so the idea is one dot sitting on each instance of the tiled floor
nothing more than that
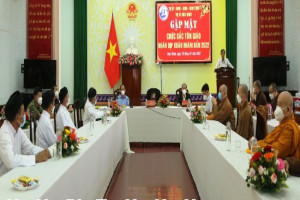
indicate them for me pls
(150, 176)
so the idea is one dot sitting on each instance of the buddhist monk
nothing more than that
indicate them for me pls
(245, 122)
(222, 112)
(273, 94)
(285, 137)
(292, 166)
(259, 99)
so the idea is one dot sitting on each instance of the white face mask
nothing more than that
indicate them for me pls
(56, 94)
(279, 113)
(123, 92)
(271, 95)
(184, 91)
(239, 99)
(205, 97)
(40, 100)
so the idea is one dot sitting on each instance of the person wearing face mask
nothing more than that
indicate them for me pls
(207, 98)
(183, 95)
(245, 122)
(122, 99)
(260, 101)
(273, 94)
(285, 138)
(16, 150)
(34, 106)
(63, 117)
(222, 112)
(45, 136)
(90, 112)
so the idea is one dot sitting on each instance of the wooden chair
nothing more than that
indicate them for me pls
(116, 93)
(78, 122)
(1, 120)
(32, 128)
(153, 94)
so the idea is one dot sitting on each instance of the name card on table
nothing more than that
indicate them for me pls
(184, 103)
(150, 103)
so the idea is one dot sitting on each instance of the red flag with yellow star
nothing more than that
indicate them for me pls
(112, 55)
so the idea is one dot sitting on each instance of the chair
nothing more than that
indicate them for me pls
(77, 113)
(116, 93)
(153, 94)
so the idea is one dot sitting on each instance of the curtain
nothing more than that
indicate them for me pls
(80, 50)
(231, 36)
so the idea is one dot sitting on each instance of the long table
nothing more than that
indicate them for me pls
(221, 174)
(154, 124)
(84, 175)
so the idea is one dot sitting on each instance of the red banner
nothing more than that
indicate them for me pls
(270, 28)
(39, 29)
(183, 32)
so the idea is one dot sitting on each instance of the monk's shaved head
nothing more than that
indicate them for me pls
(223, 89)
(286, 99)
(244, 89)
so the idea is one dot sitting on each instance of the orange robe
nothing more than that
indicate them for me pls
(284, 138)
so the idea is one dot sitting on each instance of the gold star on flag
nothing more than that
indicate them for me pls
(112, 50)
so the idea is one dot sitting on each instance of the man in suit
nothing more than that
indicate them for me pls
(183, 95)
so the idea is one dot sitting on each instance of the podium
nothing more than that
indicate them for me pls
(131, 77)
(225, 75)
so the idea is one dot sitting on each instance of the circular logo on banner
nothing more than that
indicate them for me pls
(163, 13)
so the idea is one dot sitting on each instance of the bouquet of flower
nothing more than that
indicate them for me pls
(196, 115)
(2, 112)
(115, 110)
(131, 59)
(164, 101)
(27, 120)
(69, 140)
(266, 172)
(252, 108)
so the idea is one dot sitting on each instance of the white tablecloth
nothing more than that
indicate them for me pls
(84, 175)
(221, 174)
(154, 124)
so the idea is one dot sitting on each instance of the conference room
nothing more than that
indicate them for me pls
(148, 99)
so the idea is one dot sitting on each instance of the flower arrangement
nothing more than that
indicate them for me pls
(252, 108)
(131, 59)
(69, 141)
(27, 120)
(115, 110)
(266, 172)
(164, 101)
(196, 115)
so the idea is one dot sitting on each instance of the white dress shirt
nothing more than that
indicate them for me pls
(15, 148)
(209, 105)
(45, 136)
(90, 112)
(63, 118)
(224, 63)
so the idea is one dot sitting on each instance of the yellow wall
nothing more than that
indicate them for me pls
(143, 30)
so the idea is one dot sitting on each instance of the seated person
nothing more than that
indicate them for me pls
(183, 95)
(222, 112)
(245, 122)
(45, 136)
(273, 94)
(16, 150)
(292, 166)
(122, 99)
(89, 108)
(207, 98)
(34, 106)
(56, 92)
(285, 137)
(63, 117)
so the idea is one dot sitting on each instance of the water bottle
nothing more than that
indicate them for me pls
(254, 146)
(269, 113)
(228, 137)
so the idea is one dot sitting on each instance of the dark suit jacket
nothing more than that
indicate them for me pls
(180, 98)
